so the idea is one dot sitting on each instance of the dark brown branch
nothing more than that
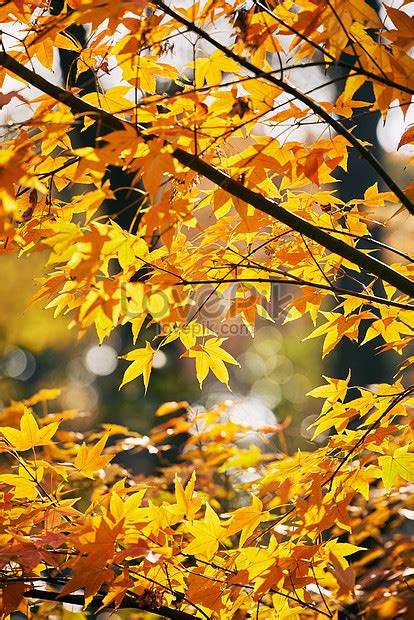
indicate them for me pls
(371, 240)
(288, 88)
(235, 188)
(76, 105)
(275, 210)
(127, 603)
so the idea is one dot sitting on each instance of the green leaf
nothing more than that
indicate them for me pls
(401, 463)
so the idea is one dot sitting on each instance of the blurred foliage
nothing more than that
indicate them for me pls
(23, 324)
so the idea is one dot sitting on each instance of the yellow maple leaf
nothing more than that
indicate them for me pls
(29, 435)
(25, 482)
(128, 509)
(212, 67)
(341, 550)
(282, 609)
(207, 534)
(113, 100)
(89, 458)
(247, 519)
(210, 356)
(141, 364)
(335, 390)
(187, 501)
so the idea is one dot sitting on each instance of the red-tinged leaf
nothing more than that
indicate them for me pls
(5, 98)
(344, 576)
(407, 137)
(88, 577)
(12, 597)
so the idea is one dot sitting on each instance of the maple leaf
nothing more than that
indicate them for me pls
(5, 98)
(344, 576)
(400, 463)
(247, 520)
(335, 390)
(55, 514)
(207, 535)
(90, 458)
(210, 356)
(89, 577)
(12, 597)
(188, 504)
(99, 541)
(207, 593)
(341, 550)
(129, 509)
(25, 482)
(141, 364)
(30, 435)
(117, 589)
(360, 480)
(407, 137)
(402, 35)
(282, 609)
(211, 68)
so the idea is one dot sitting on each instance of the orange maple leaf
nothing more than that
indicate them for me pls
(89, 458)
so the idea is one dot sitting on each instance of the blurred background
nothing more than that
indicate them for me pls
(37, 351)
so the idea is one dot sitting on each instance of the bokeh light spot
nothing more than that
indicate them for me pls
(101, 360)
(159, 359)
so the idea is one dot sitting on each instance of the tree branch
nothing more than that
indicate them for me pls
(235, 188)
(275, 210)
(313, 105)
(76, 105)
(127, 603)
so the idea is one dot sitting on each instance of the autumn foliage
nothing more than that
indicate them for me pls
(229, 201)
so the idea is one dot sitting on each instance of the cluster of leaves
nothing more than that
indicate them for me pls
(190, 236)
(255, 533)
(268, 214)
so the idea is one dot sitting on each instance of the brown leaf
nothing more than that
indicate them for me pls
(5, 98)
(407, 137)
